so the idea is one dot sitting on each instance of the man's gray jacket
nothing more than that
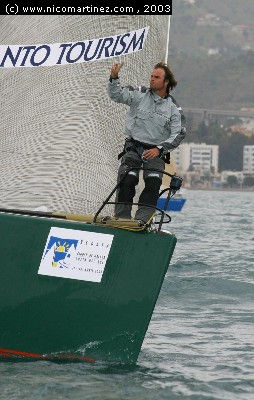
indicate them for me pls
(151, 119)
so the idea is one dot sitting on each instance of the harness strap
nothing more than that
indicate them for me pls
(132, 144)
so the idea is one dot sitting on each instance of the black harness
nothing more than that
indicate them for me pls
(139, 147)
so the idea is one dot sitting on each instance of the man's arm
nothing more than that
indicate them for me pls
(176, 134)
(183, 119)
(118, 93)
(173, 144)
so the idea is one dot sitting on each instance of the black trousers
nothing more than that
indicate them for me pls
(127, 189)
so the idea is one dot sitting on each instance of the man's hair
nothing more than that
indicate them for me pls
(168, 75)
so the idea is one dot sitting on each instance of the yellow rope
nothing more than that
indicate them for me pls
(119, 223)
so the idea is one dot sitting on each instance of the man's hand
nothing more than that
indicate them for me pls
(151, 153)
(115, 70)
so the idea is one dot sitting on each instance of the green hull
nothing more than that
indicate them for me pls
(104, 320)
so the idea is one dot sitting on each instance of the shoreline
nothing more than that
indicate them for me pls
(222, 189)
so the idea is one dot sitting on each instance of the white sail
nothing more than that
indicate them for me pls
(60, 133)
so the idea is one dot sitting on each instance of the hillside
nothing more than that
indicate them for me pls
(200, 26)
(212, 53)
(214, 82)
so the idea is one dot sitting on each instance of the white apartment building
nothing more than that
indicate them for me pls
(248, 159)
(199, 156)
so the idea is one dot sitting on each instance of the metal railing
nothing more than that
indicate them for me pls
(175, 185)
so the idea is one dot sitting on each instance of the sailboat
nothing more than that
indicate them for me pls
(74, 286)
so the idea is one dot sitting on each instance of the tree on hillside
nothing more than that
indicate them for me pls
(214, 82)
(248, 181)
(232, 180)
(231, 152)
(230, 143)
(211, 133)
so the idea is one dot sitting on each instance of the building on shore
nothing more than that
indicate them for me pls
(248, 160)
(198, 163)
(196, 157)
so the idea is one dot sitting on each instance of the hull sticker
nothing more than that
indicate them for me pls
(75, 254)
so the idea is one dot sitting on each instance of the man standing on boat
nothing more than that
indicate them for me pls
(153, 129)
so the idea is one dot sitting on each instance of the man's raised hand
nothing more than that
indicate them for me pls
(115, 70)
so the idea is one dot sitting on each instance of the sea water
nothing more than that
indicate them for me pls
(200, 342)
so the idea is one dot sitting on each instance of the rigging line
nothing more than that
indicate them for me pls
(167, 44)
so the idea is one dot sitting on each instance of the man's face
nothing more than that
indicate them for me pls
(157, 80)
